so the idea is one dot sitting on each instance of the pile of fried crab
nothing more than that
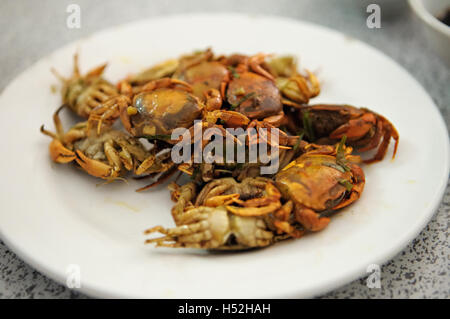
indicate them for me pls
(226, 204)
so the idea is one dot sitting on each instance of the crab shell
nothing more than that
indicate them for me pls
(265, 100)
(163, 110)
(317, 183)
(365, 130)
(205, 76)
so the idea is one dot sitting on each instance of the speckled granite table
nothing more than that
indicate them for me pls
(33, 29)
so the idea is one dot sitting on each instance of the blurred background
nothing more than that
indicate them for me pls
(33, 29)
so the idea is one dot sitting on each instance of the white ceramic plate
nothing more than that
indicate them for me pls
(54, 216)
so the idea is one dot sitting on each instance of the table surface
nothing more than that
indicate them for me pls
(33, 29)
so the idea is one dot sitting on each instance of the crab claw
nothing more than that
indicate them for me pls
(255, 65)
(357, 189)
(310, 219)
(59, 153)
(355, 128)
(93, 167)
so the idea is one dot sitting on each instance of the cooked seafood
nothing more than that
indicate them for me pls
(158, 108)
(212, 227)
(258, 89)
(320, 182)
(259, 101)
(82, 93)
(295, 88)
(231, 215)
(364, 130)
(205, 75)
(108, 155)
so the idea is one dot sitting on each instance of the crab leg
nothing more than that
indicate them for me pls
(59, 153)
(145, 165)
(93, 167)
(221, 200)
(281, 222)
(310, 219)
(161, 179)
(254, 211)
(109, 111)
(389, 131)
(96, 72)
(163, 83)
(113, 158)
(255, 65)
